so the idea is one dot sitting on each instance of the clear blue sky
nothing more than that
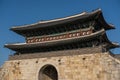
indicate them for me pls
(21, 12)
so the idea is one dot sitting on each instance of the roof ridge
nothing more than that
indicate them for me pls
(59, 19)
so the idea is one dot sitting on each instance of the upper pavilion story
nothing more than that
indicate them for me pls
(78, 31)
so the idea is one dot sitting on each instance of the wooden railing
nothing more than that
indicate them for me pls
(60, 36)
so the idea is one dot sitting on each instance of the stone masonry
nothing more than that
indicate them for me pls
(95, 66)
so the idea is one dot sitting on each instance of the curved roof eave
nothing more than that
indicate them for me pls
(51, 43)
(114, 45)
(45, 24)
(110, 44)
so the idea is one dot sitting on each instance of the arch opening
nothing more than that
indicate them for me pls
(48, 72)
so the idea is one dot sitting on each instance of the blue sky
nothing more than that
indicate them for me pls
(21, 12)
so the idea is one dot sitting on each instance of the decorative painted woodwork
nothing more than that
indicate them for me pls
(78, 31)
(69, 48)
(59, 36)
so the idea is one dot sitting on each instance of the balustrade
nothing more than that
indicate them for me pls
(65, 35)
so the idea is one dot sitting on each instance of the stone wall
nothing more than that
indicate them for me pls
(81, 51)
(95, 66)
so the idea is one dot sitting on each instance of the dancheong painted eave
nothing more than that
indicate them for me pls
(21, 46)
(94, 15)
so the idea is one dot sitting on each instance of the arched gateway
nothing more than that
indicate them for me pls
(73, 44)
(48, 72)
